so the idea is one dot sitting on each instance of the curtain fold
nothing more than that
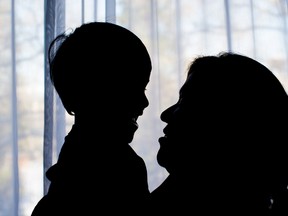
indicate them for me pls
(54, 25)
(228, 25)
(48, 91)
(33, 122)
(14, 116)
(110, 11)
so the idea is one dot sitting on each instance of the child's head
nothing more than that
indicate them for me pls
(97, 61)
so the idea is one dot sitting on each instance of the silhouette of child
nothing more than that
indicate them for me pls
(225, 143)
(100, 72)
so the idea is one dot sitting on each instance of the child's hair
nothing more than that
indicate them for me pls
(95, 52)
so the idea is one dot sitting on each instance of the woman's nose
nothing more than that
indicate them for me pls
(166, 114)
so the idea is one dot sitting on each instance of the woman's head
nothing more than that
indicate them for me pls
(231, 109)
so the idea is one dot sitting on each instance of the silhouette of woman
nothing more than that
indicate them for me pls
(225, 143)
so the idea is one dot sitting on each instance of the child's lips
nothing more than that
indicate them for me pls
(162, 140)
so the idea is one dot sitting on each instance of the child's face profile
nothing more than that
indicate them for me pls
(137, 100)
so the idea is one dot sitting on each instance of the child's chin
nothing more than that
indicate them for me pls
(131, 131)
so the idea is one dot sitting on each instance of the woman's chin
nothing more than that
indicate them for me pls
(130, 138)
(131, 135)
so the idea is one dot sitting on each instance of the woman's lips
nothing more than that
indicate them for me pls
(133, 125)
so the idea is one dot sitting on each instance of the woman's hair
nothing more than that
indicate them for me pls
(248, 108)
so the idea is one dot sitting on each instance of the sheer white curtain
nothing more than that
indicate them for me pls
(33, 122)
